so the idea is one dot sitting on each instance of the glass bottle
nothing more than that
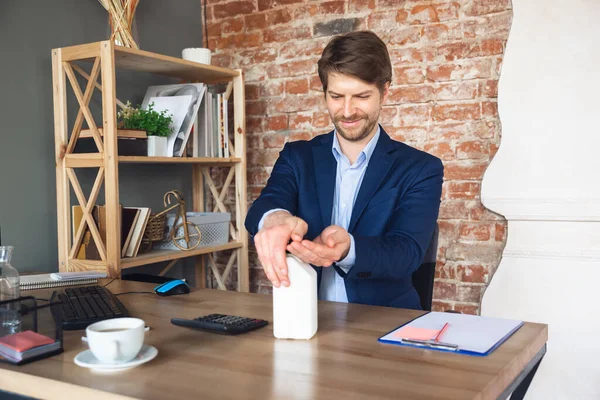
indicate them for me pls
(9, 289)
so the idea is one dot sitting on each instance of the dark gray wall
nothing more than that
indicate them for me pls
(29, 29)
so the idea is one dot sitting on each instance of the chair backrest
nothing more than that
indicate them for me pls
(423, 277)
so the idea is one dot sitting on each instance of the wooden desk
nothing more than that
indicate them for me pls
(343, 361)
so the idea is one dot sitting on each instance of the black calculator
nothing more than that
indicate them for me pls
(221, 323)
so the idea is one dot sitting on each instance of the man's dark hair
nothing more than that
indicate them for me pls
(361, 54)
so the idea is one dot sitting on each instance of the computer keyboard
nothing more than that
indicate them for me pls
(221, 323)
(84, 305)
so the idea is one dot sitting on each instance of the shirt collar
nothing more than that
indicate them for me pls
(366, 153)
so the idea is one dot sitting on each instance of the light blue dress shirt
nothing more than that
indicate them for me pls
(347, 184)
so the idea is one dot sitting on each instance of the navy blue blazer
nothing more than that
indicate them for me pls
(392, 221)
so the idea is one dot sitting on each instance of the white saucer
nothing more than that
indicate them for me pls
(86, 359)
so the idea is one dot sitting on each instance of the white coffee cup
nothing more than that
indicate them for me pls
(197, 54)
(116, 340)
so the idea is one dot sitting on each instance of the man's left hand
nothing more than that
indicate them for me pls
(330, 246)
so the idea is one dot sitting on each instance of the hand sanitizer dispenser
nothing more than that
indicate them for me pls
(295, 307)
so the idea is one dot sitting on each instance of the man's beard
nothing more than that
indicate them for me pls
(359, 135)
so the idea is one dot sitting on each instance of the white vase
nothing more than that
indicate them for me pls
(157, 146)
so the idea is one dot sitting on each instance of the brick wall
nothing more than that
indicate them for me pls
(447, 57)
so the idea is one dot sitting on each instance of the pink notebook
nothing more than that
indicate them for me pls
(24, 341)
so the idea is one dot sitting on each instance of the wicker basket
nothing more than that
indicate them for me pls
(155, 229)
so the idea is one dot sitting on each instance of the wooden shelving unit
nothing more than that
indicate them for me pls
(105, 57)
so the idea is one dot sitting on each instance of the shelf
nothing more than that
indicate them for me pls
(90, 160)
(179, 160)
(145, 61)
(155, 256)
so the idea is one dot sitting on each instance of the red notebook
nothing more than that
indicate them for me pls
(23, 341)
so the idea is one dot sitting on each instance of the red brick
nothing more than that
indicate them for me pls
(214, 29)
(470, 309)
(276, 123)
(252, 92)
(451, 131)
(332, 7)
(256, 21)
(444, 290)
(256, 107)
(297, 86)
(388, 115)
(472, 150)
(240, 40)
(490, 47)
(300, 121)
(489, 109)
(271, 89)
(414, 114)
(500, 231)
(306, 12)
(442, 150)
(482, 7)
(461, 90)
(401, 36)
(382, 20)
(274, 141)
(315, 84)
(232, 9)
(280, 16)
(234, 25)
(497, 25)
(478, 212)
(253, 142)
(486, 129)
(294, 103)
(255, 56)
(410, 94)
(282, 34)
(269, 4)
(263, 158)
(445, 271)
(411, 55)
(407, 134)
(221, 60)
(321, 120)
(472, 273)
(300, 136)
(408, 75)
(304, 48)
(257, 176)
(475, 231)
(465, 69)
(440, 306)
(387, 3)
(461, 190)
(465, 170)
(423, 14)
(489, 88)
(254, 124)
(361, 5)
(439, 32)
(457, 112)
(292, 68)
(470, 49)
(483, 252)
(470, 294)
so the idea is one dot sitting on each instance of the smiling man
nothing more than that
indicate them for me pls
(357, 205)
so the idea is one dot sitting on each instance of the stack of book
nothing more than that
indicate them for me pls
(133, 226)
(26, 345)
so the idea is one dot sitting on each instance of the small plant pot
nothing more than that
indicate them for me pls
(157, 146)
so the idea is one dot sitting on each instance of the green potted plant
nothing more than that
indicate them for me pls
(157, 126)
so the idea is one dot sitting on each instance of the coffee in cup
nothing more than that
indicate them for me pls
(117, 340)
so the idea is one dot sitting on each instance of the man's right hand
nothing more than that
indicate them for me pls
(271, 241)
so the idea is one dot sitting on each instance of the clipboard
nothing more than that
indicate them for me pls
(465, 334)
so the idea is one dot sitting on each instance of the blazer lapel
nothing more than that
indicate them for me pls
(325, 170)
(379, 165)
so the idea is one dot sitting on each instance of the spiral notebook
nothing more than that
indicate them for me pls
(58, 279)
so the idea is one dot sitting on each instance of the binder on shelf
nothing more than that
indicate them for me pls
(43, 281)
(459, 333)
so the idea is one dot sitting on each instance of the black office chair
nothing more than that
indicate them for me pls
(423, 277)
